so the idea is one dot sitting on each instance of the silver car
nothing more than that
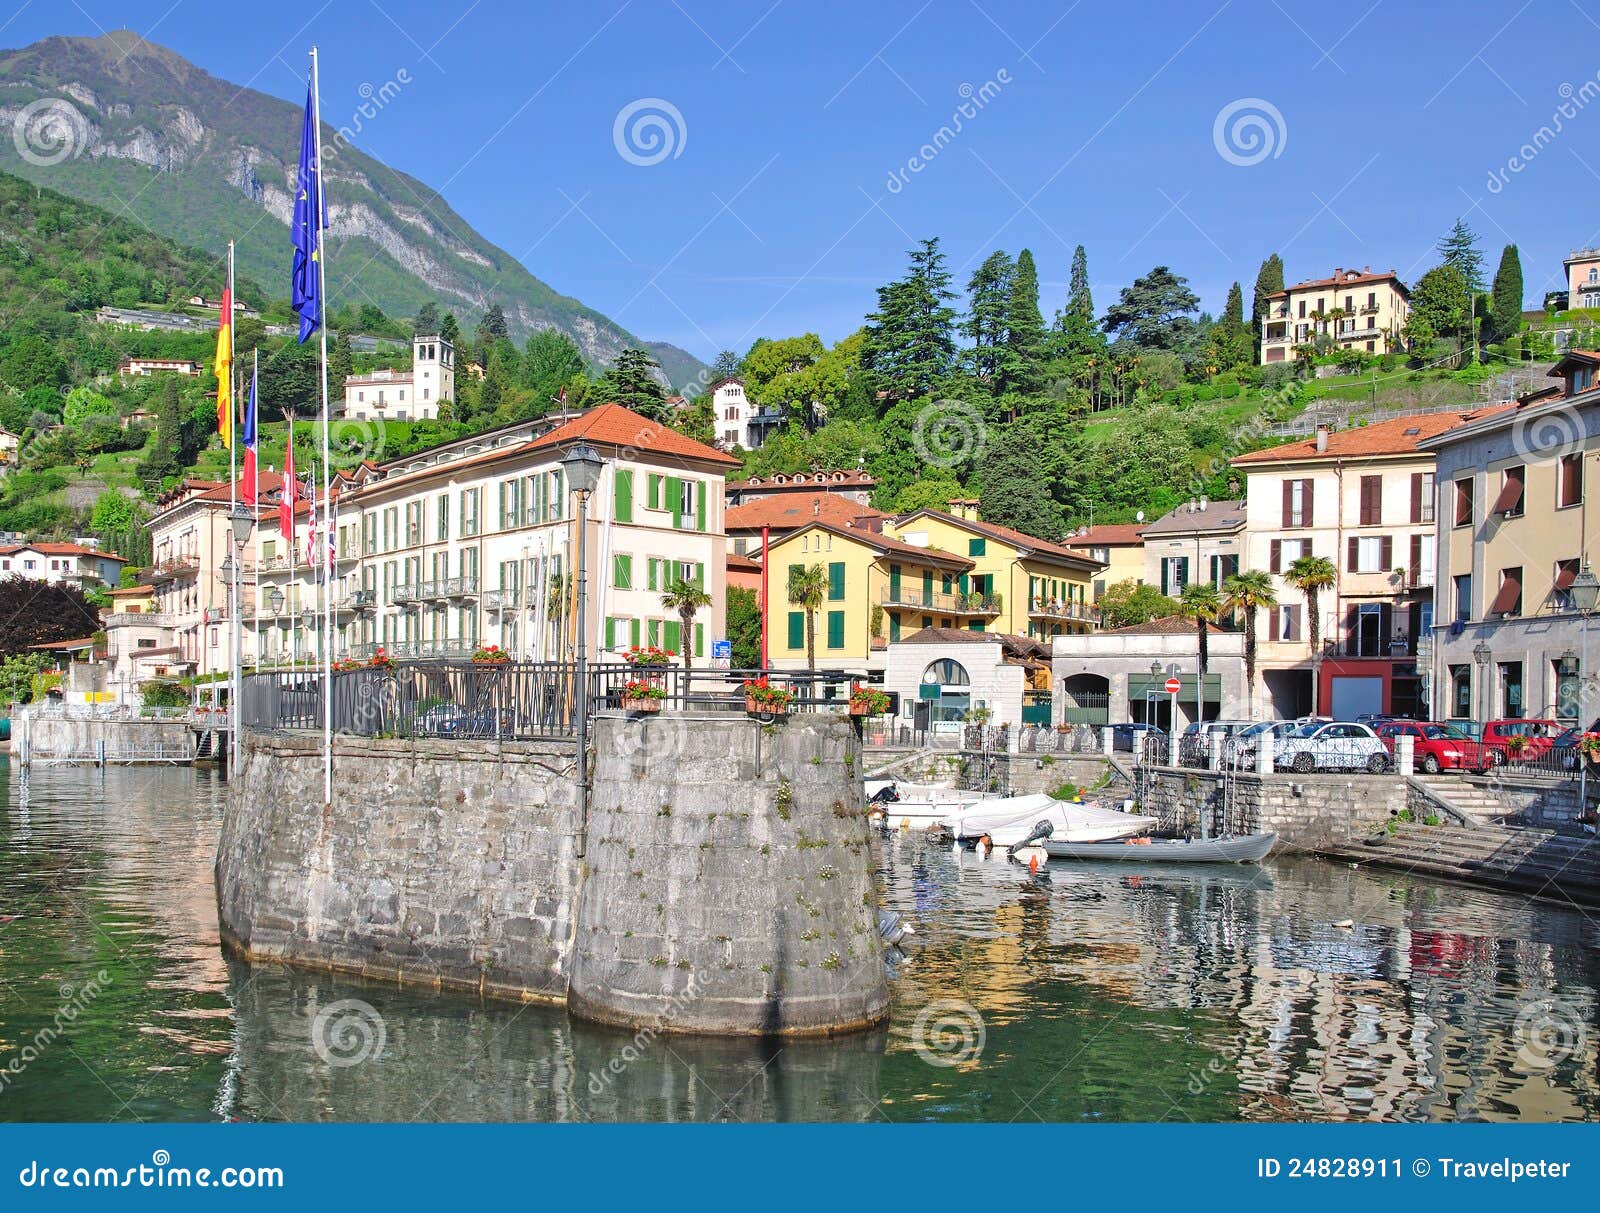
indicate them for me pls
(1339, 746)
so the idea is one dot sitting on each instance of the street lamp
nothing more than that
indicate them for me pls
(1481, 655)
(582, 466)
(241, 520)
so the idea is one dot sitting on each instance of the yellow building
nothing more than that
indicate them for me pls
(1355, 309)
(1017, 583)
(1119, 546)
(879, 589)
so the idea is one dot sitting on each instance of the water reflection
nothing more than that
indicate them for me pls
(1218, 994)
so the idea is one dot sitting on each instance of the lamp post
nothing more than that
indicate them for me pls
(1481, 655)
(582, 466)
(241, 521)
(272, 599)
(1425, 674)
(1585, 594)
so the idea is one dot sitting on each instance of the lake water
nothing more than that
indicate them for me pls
(1083, 995)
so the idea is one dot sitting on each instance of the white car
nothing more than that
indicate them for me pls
(1339, 746)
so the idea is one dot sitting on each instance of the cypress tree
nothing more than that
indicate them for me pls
(1079, 314)
(988, 297)
(1024, 327)
(1269, 281)
(1505, 307)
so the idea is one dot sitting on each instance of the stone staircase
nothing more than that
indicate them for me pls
(1562, 867)
(1472, 803)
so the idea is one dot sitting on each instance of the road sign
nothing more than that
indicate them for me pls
(722, 648)
(1173, 686)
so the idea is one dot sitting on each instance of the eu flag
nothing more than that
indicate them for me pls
(306, 289)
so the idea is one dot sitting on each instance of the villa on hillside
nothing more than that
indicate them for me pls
(401, 395)
(1355, 309)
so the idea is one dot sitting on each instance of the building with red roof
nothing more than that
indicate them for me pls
(1349, 310)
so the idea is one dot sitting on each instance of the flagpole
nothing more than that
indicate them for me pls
(255, 508)
(322, 333)
(233, 548)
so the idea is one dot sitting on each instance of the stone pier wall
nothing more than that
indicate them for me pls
(46, 736)
(724, 884)
(1308, 812)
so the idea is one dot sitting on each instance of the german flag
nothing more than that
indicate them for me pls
(224, 368)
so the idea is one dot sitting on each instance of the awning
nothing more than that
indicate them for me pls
(1510, 595)
(1566, 574)
(1510, 499)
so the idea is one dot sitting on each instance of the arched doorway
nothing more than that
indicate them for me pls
(948, 692)
(1086, 699)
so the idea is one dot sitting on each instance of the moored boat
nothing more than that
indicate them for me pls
(1009, 821)
(1229, 848)
(915, 806)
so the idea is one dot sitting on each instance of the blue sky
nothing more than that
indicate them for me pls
(774, 213)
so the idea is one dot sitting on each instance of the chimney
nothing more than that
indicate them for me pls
(816, 507)
(1204, 501)
(1322, 440)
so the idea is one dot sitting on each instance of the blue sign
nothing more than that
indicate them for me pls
(722, 649)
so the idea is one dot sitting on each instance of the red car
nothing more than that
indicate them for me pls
(1540, 739)
(1438, 747)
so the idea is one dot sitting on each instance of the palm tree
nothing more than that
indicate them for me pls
(1200, 602)
(1244, 593)
(1311, 575)
(686, 598)
(808, 590)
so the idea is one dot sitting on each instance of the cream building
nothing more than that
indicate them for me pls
(414, 395)
(1363, 499)
(739, 421)
(70, 563)
(1514, 536)
(1355, 309)
(1201, 540)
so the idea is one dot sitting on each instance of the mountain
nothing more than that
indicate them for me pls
(139, 130)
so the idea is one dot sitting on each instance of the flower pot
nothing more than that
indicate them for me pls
(756, 708)
(641, 705)
(860, 709)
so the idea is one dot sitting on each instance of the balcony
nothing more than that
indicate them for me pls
(138, 619)
(502, 599)
(407, 595)
(1369, 309)
(973, 605)
(359, 600)
(1055, 608)
(1370, 331)
(448, 587)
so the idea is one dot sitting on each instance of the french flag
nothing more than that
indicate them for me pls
(250, 490)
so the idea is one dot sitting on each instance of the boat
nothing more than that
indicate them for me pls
(1012, 820)
(914, 805)
(1228, 848)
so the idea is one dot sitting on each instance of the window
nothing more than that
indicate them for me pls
(1509, 600)
(1509, 502)
(836, 629)
(1174, 575)
(624, 495)
(1284, 623)
(1566, 684)
(413, 523)
(1369, 554)
(1511, 688)
(1284, 552)
(1372, 501)
(1369, 630)
(1463, 596)
(622, 572)
(1297, 502)
(1566, 574)
(1222, 568)
(1569, 480)
(1464, 502)
(1421, 497)
(469, 512)
(836, 580)
(652, 483)
(976, 547)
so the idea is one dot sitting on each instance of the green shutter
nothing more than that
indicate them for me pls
(699, 640)
(975, 547)
(653, 573)
(622, 572)
(700, 575)
(836, 629)
(797, 629)
(894, 626)
(673, 639)
(836, 580)
(624, 495)
(633, 632)
(674, 496)
(927, 586)
(964, 583)
(652, 485)
(652, 632)
(700, 505)
(611, 632)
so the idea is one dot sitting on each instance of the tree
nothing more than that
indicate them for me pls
(744, 627)
(1013, 488)
(1200, 602)
(31, 361)
(1080, 303)
(1505, 300)
(1459, 249)
(726, 366)
(631, 382)
(1024, 328)
(1128, 603)
(1244, 594)
(988, 296)
(1269, 281)
(341, 363)
(1311, 575)
(162, 460)
(35, 612)
(550, 361)
(83, 403)
(1441, 307)
(910, 340)
(687, 599)
(427, 322)
(491, 328)
(929, 493)
(808, 590)
(1155, 312)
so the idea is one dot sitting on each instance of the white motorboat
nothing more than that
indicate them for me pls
(915, 806)
(1008, 821)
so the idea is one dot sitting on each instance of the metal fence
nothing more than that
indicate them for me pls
(1561, 762)
(506, 701)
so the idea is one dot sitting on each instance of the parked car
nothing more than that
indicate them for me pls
(1194, 743)
(1340, 746)
(1242, 747)
(1122, 734)
(1437, 747)
(1540, 734)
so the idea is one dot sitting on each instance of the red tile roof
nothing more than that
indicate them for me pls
(1397, 436)
(61, 549)
(1166, 625)
(790, 511)
(889, 547)
(1005, 534)
(613, 425)
(1342, 278)
(742, 564)
(1110, 534)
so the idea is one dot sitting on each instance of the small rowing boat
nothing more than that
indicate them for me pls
(1229, 848)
